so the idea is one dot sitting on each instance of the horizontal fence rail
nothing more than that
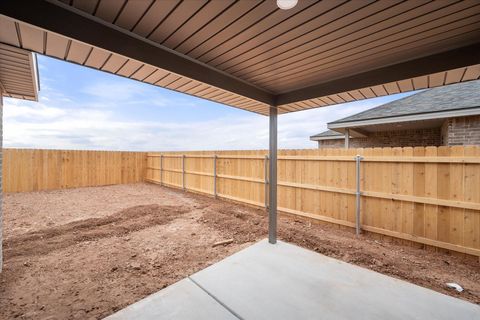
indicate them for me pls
(428, 195)
(27, 170)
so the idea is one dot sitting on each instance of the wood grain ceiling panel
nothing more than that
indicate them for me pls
(189, 86)
(322, 55)
(385, 54)
(154, 16)
(228, 17)
(8, 32)
(454, 76)
(272, 24)
(180, 83)
(405, 85)
(56, 46)
(78, 52)
(145, 71)
(332, 26)
(306, 21)
(31, 38)
(420, 82)
(169, 79)
(472, 73)
(180, 15)
(87, 6)
(206, 14)
(156, 76)
(368, 40)
(114, 63)
(378, 90)
(132, 13)
(97, 58)
(244, 22)
(436, 79)
(129, 68)
(108, 10)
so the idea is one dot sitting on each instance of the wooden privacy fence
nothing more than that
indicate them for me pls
(429, 195)
(34, 169)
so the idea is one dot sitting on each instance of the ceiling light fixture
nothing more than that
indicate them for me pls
(286, 4)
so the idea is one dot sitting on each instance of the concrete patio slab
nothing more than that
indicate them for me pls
(283, 281)
(182, 300)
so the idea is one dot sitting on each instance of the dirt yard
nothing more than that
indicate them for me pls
(86, 253)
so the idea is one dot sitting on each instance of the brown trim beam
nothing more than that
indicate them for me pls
(67, 23)
(453, 59)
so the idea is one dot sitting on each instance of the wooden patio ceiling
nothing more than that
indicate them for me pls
(250, 54)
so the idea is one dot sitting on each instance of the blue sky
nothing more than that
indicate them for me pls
(82, 108)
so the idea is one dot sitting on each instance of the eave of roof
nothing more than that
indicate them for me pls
(408, 118)
(18, 73)
(327, 135)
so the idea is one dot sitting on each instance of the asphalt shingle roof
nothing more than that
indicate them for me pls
(328, 133)
(446, 98)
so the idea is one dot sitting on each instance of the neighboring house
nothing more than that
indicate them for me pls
(448, 115)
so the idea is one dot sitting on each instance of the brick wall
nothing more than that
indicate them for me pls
(400, 138)
(461, 131)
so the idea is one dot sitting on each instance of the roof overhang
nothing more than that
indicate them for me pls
(421, 117)
(18, 73)
(339, 137)
(250, 54)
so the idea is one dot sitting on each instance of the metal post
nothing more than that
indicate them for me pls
(272, 209)
(347, 138)
(183, 172)
(161, 169)
(265, 174)
(215, 175)
(358, 194)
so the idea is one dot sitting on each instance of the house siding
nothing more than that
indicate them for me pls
(461, 131)
(400, 138)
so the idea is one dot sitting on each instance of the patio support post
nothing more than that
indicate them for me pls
(358, 194)
(272, 208)
(347, 138)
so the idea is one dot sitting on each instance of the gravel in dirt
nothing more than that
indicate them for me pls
(86, 253)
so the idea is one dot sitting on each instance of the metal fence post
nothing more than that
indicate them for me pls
(215, 176)
(161, 169)
(266, 180)
(183, 172)
(358, 194)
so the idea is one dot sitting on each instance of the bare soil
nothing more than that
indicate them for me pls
(86, 253)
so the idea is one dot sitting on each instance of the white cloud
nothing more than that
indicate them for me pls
(58, 122)
(115, 90)
(37, 125)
